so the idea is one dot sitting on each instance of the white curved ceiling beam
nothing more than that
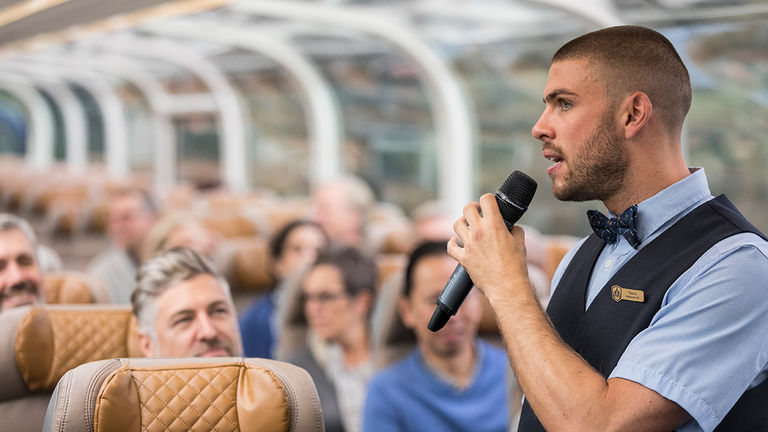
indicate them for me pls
(73, 114)
(453, 117)
(324, 121)
(600, 12)
(108, 101)
(159, 101)
(39, 119)
(231, 117)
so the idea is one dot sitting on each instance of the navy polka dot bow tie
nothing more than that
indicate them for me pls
(609, 229)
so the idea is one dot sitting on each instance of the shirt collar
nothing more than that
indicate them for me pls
(657, 210)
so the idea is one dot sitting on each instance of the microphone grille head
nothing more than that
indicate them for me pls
(519, 189)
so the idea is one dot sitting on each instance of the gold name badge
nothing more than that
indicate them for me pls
(618, 293)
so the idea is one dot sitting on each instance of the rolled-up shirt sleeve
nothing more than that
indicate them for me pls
(709, 341)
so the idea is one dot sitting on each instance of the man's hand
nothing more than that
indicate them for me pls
(493, 257)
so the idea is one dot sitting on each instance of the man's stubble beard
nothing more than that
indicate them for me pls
(598, 172)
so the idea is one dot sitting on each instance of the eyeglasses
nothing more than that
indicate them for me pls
(323, 297)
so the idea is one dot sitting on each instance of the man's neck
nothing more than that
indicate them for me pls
(648, 175)
(459, 368)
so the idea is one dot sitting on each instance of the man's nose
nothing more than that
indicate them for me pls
(206, 329)
(12, 274)
(542, 129)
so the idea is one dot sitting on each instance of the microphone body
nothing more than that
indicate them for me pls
(513, 198)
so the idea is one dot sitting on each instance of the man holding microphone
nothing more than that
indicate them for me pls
(659, 320)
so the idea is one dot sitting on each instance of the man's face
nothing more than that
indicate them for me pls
(429, 277)
(193, 236)
(334, 213)
(129, 221)
(329, 310)
(19, 273)
(301, 247)
(195, 318)
(579, 129)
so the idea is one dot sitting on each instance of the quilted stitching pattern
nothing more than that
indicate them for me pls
(188, 400)
(83, 337)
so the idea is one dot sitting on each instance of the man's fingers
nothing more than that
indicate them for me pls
(490, 208)
(472, 213)
(461, 228)
(454, 249)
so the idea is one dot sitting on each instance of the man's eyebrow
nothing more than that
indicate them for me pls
(555, 93)
(182, 312)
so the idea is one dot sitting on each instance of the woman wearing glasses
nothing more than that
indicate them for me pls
(338, 292)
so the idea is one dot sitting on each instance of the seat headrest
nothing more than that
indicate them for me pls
(68, 287)
(46, 341)
(227, 394)
(245, 262)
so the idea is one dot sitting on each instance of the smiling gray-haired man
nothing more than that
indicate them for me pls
(20, 273)
(184, 308)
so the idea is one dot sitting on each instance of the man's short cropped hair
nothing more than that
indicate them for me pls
(162, 272)
(634, 58)
(423, 250)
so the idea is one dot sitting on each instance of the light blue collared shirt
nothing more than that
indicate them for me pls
(709, 341)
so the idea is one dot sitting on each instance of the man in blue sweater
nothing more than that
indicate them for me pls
(452, 380)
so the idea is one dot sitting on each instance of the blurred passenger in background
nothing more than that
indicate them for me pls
(432, 221)
(131, 215)
(339, 292)
(20, 274)
(180, 230)
(452, 380)
(292, 248)
(184, 308)
(341, 208)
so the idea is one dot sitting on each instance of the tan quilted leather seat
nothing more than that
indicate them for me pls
(41, 343)
(73, 288)
(245, 262)
(222, 394)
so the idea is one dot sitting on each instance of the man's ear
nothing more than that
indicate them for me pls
(404, 307)
(637, 113)
(145, 345)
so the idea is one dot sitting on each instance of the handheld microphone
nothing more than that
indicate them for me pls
(513, 198)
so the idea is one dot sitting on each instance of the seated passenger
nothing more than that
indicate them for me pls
(131, 215)
(179, 229)
(184, 308)
(341, 207)
(338, 294)
(452, 380)
(293, 247)
(20, 273)
(432, 222)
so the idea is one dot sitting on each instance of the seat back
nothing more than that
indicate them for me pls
(68, 287)
(245, 262)
(293, 329)
(192, 394)
(41, 343)
(391, 340)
